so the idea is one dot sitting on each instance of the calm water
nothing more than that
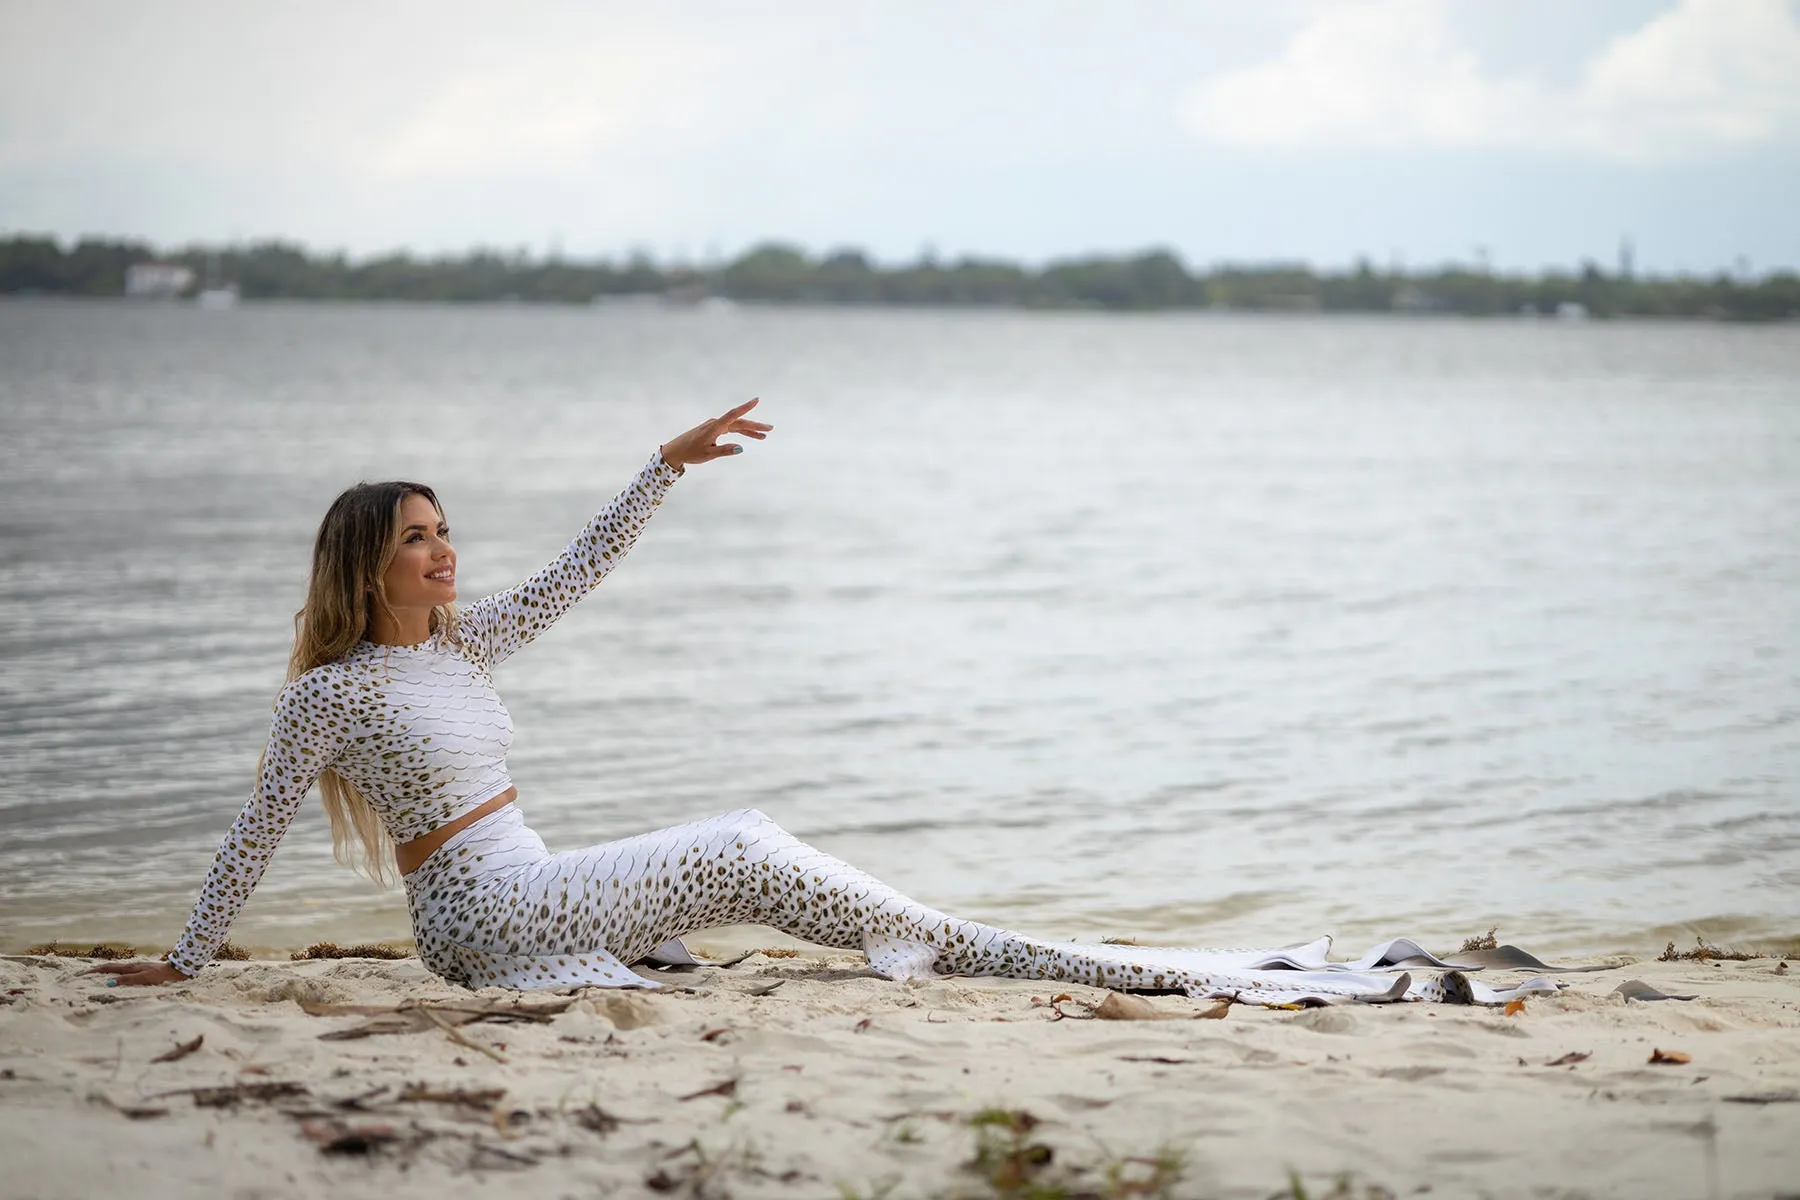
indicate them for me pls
(1217, 629)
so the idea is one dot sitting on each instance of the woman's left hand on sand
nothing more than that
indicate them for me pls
(137, 973)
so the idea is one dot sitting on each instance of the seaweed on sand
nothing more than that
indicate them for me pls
(333, 950)
(1703, 952)
(105, 950)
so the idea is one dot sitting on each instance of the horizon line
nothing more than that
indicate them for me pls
(525, 254)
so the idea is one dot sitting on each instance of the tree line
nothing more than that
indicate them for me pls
(776, 273)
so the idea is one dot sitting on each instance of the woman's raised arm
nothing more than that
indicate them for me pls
(500, 624)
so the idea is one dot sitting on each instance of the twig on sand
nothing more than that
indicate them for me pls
(456, 1036)
(726, 1088)
(232, 1094)
(181, 1051)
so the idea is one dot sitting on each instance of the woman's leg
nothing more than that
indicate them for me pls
(577, 916)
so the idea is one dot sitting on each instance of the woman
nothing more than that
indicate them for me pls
(390, 707)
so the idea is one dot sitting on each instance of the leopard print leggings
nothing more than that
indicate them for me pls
(493, 906)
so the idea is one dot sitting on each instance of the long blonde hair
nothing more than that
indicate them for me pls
(356, 544)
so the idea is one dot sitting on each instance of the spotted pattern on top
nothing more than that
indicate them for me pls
(494, 907)
(419, 730)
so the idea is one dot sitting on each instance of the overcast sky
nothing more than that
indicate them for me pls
(1537, 132)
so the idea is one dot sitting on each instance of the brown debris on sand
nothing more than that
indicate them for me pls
(181, 1051)
(333, 950)
(110, 951)
(1703, 953)
(1117, 1006)
(1484, 942)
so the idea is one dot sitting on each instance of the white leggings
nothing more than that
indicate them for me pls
(493, 906)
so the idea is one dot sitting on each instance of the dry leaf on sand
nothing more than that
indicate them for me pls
(181, 1051)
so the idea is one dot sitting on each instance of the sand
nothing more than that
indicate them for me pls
(833, 1083)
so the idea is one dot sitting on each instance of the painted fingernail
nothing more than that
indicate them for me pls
(112, 982)
(736, 449)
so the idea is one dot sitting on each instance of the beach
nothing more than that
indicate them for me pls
(1401, 627)
(796, 1072)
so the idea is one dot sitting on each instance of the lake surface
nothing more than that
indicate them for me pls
(1212, 629)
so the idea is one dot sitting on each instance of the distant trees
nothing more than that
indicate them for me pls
(780, 273)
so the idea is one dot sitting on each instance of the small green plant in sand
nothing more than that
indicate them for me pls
(1344, 1188)
(1154, 1176)
(906, 1133)
(1006, 1157)
(699, 1173)
(1014, 1166)
(333, 950)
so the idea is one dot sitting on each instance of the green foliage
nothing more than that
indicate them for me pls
(1345, 1188)
(778, 273)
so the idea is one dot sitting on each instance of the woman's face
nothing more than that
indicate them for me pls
(423, 573)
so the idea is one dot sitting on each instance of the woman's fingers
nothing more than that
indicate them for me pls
(701, 443)
(735, 413)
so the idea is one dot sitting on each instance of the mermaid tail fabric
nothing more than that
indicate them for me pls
(493, 906)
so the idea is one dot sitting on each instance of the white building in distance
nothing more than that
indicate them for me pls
(157, 281)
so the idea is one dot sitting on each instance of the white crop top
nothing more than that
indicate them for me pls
(418, 730)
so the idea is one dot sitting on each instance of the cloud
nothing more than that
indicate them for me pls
(556, 109)
(1702, 78)
(396, 91)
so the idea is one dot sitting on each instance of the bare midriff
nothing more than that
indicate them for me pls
(409, 856)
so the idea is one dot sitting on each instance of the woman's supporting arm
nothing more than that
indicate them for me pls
(310, 727)
(498, 625)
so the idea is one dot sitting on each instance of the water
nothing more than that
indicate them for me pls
(1213, 629)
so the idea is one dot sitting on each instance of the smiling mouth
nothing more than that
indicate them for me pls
(445, 576)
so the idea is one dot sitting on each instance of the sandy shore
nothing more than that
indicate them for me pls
(806, 1076)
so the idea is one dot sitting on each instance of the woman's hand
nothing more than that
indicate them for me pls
(138, 973)
(701, 443)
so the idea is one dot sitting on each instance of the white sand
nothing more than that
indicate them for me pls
(847, 1084)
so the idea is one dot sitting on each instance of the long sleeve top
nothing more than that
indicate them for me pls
(418, 730)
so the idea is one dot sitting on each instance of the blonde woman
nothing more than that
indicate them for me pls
(390, 707)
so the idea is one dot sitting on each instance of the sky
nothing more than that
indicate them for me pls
(1522, 133)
